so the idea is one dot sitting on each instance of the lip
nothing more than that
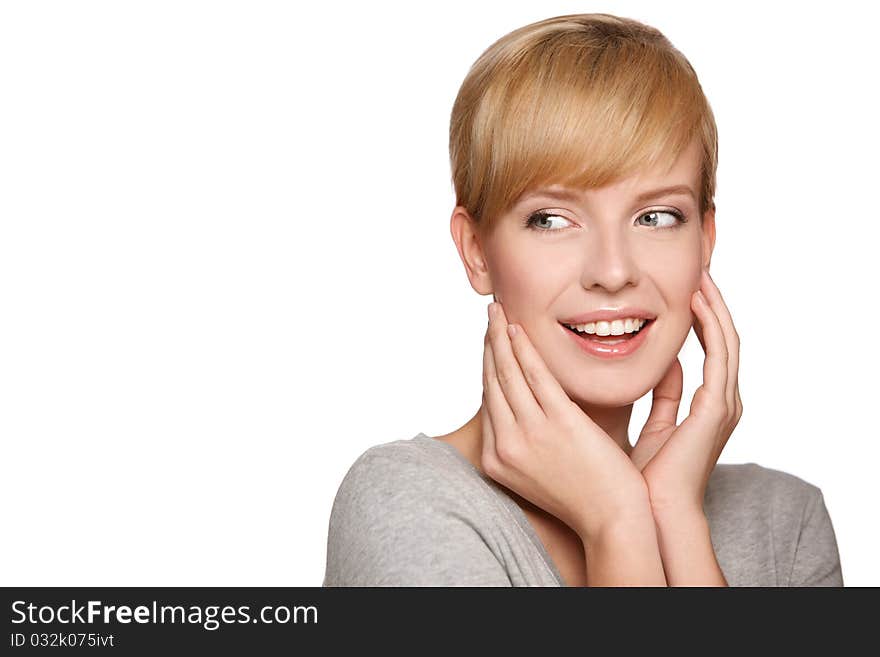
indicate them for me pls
(610, 314)
(612, 351)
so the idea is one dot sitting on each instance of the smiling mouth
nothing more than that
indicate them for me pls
(610, 339)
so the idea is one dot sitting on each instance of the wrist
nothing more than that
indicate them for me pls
(625, 552)
(681, 513)
(685, 542)
(677, 524)
(672, 504)
(632, 518)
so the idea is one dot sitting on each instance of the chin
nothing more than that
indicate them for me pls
(622, 383)
(608, 394)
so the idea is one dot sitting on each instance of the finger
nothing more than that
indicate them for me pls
(715, 363)
(699, 333)
(716, 302)
(508, 373)
(666, 399)
(490, 461)
(662, 418)
(488, 449)
(496, 404)
(550, 395)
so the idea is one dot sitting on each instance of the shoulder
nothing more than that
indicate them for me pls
(398, 475)
(767, 523)
(754, 484)
(402, 517)
(747, 497)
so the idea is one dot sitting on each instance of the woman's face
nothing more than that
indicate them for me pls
(597, 249)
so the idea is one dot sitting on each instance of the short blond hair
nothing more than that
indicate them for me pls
(579, 100)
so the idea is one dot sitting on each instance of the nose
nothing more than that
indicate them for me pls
(610, 263)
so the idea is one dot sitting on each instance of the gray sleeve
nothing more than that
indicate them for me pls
(394, 523)
(816, 560)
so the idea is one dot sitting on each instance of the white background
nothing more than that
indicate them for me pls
(226, 267)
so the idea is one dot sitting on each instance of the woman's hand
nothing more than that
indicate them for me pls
(676, 462)
(541, 445)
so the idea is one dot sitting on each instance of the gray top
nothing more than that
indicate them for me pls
(416, 512)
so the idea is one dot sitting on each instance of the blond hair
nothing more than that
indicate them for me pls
(579, 100)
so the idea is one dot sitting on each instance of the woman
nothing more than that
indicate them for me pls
(583, 156)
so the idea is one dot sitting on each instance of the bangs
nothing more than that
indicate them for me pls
(577, 109)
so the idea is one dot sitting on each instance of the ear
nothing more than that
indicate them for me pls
(468, 237)
(708, 236)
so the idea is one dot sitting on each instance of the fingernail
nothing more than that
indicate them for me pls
(700, 297)
(511, 330)
(489, 309)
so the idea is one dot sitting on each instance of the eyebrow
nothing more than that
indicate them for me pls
(571, 195)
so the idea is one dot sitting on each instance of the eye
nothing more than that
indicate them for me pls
(536, 220)
(532, 221)
(654, 215)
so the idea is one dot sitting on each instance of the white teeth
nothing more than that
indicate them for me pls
(616, 327)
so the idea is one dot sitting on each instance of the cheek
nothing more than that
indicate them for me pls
(678, 284)
(522, 282)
